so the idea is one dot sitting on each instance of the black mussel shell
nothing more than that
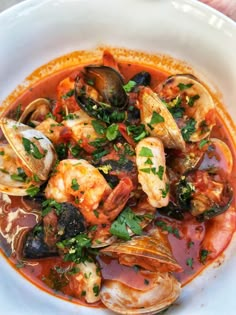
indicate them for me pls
(172, 210)
(109, 83)
(35, 247)
(142, 78)
(71, 222)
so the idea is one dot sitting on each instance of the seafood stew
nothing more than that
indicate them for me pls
(116, 182)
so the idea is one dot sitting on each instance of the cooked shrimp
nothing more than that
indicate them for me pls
(79, 182)
(150, 160)
(219, 231)
(87, 282)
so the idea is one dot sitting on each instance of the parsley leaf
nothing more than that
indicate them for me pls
(145, 152)
(74, 184)
(192, 99)
(49, 205)
(127, 218)
(68, 94)
(183, 86)
(112, 132)
(156, 118)
(188, 129)
(32, 149)
(203, 255)
(32, 190)
(99, 127)
(129, 86)
(202, 143)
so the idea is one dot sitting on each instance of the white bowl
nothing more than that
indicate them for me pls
(35, 32)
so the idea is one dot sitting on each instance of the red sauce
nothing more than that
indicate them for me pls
(185, 247)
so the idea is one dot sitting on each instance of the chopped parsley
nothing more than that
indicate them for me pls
(127, 218)
(203, 255)
(96, 290)
(32, 190)
(20, 176)
(191, 100)
(188, 129)
(164, 192)
(137, 132)
(189, 262)
(112, 132)
(183, 86)
(74, 184)
(99, 127)
(202, 143)
(168, 228)
(32, 149)
(129, 86)
(49, 205)
(77, 248)
(145, 152)
(156, 118)
(2, 152)
(68, 94)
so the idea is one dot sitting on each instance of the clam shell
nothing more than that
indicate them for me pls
(122, 299)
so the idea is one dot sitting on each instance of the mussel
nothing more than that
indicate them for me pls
(203, 195)
(99, 91)
(42, 240)
(26, 160)
(190, 104)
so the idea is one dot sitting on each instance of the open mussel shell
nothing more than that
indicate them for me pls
(198, 104)
(35, 112)
(123, 299)
(109, 83)
(150, 252)
(99, 91)
(33, 149)
(166, 129)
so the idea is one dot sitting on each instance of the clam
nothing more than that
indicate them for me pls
(29, 152)
(159, 121)
(217, 155)
(123, 299)
(35, 112)
(99, 91)
(150, 252)
(191, 105)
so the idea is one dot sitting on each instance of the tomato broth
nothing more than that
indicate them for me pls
(18, 215)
